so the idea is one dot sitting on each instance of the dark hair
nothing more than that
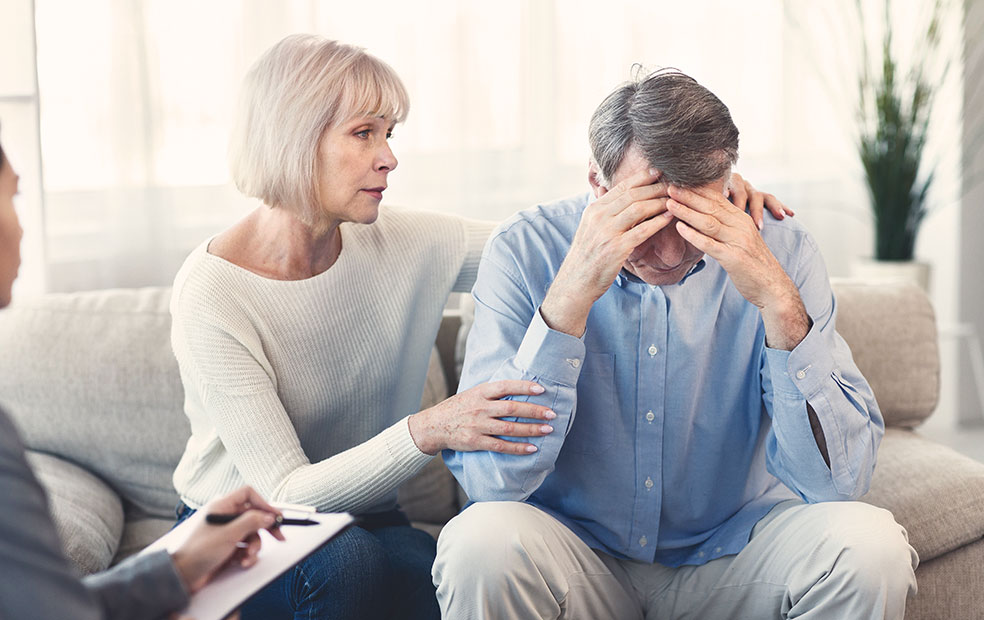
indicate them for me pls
(680, 127)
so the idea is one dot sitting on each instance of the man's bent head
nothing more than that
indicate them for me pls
(669, 122)
(679, 127)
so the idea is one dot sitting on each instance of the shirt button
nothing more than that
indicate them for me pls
(653, 350)
(574, 362)
(643, 541)
(801, 374)
(717, 549)
(650, 416)
(649, 483)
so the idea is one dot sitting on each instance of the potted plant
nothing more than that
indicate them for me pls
(895, 107)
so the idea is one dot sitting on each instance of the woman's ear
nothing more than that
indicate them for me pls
(595, 178)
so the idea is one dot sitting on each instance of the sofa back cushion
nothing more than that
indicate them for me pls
(891, 329)
(91, 378)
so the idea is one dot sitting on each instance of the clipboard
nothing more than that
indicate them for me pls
(230, 588)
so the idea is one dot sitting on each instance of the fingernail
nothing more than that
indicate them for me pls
(546, 429)
(531, 448)
(549, 414)
(269, 519)
(653, 172)
(761, 225)
(537, 389)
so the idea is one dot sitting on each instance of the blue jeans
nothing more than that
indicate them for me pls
(378, 568)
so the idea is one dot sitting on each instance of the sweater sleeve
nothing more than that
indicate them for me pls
(248, 421)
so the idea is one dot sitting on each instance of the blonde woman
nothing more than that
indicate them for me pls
(303, 334)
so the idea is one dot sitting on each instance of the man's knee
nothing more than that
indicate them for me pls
(484, 539)
(870, 548)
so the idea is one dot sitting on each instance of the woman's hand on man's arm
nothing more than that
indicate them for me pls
(472, 420)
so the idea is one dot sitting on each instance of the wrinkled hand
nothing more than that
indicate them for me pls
(610, 228)
(211, 547)
(471, 421)
(747, 198)
(727, 234)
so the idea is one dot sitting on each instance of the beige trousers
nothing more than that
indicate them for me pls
(829, 561)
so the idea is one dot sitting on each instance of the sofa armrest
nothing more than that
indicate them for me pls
(935, 493)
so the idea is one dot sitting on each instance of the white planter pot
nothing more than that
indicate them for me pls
(879, 271)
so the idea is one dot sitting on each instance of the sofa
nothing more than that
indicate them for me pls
(90, 381)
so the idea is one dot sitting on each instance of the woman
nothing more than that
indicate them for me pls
(303, 333)
(37, 579)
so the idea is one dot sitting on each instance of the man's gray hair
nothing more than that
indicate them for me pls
(680, 127)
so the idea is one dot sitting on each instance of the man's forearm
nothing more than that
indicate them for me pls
(786, 322)
(564, 311)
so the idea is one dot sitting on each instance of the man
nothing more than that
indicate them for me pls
(711, 430)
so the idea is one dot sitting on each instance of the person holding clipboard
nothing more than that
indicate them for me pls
(38, 581)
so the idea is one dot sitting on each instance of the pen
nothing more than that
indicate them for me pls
(221, 519)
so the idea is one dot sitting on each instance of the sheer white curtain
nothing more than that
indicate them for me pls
(135, 98)
(19, 132)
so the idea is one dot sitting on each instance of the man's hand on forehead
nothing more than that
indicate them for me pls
(610, 229)
(727, 234)
(635, 193)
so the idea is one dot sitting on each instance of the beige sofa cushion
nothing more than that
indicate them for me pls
(950, 586)
(891, 330)
(936, 493)
(88, 516)
(91, 377)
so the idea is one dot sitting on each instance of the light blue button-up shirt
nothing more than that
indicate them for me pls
(677, 429)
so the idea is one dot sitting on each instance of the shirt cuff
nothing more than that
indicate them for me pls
(804, 369)
(550, 354)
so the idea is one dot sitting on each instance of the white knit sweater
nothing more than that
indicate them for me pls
(302, 388)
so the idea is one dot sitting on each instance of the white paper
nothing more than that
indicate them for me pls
(231, 587)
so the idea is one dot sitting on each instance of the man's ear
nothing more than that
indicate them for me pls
(594, 178)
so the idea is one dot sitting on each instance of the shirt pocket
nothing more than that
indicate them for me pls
(591, 429)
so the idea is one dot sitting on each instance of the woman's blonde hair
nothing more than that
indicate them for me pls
(299, 88)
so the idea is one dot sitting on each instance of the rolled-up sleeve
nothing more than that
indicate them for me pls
(820, 372)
